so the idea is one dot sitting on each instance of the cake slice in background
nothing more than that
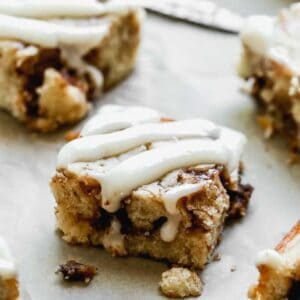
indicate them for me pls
(55, 57)
(279, 270)
(271, 62)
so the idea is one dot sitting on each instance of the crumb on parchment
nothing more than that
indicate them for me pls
(180, 282)
(75, 271)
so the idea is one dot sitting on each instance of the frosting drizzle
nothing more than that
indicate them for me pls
(287, 259)
(151, 165)
(59, 8)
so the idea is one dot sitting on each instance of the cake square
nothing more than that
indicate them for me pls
(271, 62)
(139, 183)
(56, 57)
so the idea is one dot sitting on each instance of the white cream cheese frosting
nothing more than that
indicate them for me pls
(7, 264)
(59, 8)
(53, 33)
(124, 148)
(277, 38)
(65, 22)
(281, 260)
(110, 118)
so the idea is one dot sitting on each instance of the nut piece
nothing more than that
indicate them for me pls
(75, 271)
(71, 135)
(180, 282)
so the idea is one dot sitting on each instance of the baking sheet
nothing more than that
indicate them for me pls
(184, 71)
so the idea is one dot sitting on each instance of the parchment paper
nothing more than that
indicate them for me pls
(184, 71)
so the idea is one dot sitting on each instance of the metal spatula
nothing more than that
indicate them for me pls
(202, 12)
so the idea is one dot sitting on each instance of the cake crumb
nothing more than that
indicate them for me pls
(75, 271)
(216, 257)
(233, 269)
(180, 282)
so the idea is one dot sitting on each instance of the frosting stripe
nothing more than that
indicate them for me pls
(50, 34)
(114, 118)
(73, 26)
(96, 147)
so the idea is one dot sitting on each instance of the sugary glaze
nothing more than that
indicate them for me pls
(276, 38)
(72, 26)
(7, 265)
(125, 155)
(287, 258)
(60, 22)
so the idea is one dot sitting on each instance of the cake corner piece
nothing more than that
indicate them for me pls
(279, 270)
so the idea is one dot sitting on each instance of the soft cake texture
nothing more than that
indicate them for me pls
(177, 217)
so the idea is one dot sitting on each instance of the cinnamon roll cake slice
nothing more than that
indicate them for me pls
(139, 183)
(56, 56)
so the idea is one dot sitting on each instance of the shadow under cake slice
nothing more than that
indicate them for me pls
(279, 270)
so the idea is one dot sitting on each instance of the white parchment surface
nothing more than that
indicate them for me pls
(185, 71)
